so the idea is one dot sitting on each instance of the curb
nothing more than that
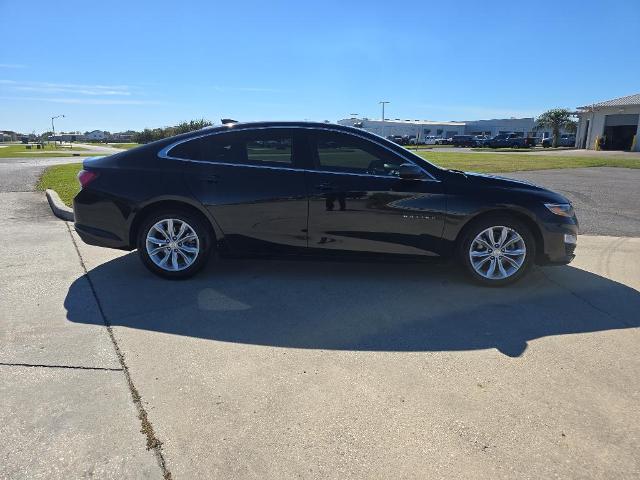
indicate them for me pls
(59, 209)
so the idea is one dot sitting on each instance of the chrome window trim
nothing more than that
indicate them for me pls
(164, 153)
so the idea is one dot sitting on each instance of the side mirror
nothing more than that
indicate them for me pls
(410, 171)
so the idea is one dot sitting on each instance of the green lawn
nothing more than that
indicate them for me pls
(62, 179)
(505, 162)
(20, 151)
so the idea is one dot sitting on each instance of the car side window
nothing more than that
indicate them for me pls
(347, 154)
(269, 149)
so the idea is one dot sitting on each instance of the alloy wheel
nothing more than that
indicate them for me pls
(172, 244)
(497, 252)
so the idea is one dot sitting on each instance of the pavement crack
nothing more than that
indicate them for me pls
(153, 443)
(72, 367)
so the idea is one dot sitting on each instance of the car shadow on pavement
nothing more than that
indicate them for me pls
(366, 306)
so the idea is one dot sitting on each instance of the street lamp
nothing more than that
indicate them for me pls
(383, 104)
(53, 127)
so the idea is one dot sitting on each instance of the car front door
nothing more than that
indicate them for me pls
(358, 202)
(251, 183)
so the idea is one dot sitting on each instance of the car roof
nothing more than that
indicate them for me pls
(229, 127)
(286, 123)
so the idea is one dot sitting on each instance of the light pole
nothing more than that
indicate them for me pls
(53, 127)
(383, 104)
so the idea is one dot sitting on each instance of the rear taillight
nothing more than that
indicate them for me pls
(85, 177)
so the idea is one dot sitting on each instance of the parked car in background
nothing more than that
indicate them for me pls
(463, 141)
(443, 141)
(181, 199)
(509, 140)
(430, 140)
(481, 140)
(565, 140)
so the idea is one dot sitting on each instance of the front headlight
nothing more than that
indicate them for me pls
(562, 209)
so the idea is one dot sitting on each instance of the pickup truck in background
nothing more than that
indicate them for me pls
(463, 141)
(510, 140)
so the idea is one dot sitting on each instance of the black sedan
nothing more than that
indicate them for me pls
(313, 188)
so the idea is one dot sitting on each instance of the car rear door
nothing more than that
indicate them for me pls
(357, 201)
(252, 184)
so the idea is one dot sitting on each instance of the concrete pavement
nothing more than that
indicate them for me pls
(65, 407)
(276, 369)
(98, 148)
(310, 369)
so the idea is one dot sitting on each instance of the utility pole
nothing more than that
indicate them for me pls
(383, 104)
(53, 127)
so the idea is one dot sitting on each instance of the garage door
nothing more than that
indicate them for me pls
(619, 131)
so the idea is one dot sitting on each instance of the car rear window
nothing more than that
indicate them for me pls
(209, 149)
(252, 148)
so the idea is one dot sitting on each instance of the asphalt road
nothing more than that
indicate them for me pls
(606, 199)
(21, 174)
(563, 152)
(272, 369)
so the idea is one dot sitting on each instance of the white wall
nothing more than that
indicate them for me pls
(386, 128)
(597, 122)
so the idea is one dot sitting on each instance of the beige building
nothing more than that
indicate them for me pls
(615, 122)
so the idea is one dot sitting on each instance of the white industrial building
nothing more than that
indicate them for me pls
(614, 123)
(425, 128)
(417, 128)
(523, 126)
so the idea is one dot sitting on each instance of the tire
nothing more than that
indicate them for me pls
(518, 239)
(183, 258)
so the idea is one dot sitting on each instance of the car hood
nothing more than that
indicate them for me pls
(499, 181)
(482, 180)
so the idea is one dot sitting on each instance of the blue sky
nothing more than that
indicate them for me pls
(119, 65)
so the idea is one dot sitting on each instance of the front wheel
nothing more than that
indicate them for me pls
(174, 244)
(497, 251)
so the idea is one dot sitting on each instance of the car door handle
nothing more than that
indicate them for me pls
(211, 179)
(325, 187)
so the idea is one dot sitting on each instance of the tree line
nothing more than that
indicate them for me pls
(557, 119)
(152, 134)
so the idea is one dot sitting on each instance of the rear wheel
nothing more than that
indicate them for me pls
(174, 244)
(497, 251)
